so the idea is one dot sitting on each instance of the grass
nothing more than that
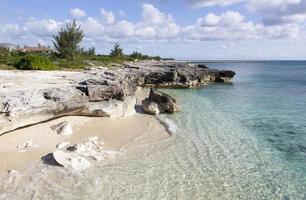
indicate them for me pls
(37, 61)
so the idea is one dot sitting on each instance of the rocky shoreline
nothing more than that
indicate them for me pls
(96, 91)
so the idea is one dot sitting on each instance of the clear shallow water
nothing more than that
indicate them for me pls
(245, 140)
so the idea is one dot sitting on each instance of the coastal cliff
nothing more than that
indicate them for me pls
(31, 97)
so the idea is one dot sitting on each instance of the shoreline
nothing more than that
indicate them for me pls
(36, 106)
(113, 137)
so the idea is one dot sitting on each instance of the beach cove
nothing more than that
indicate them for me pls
(45, 112)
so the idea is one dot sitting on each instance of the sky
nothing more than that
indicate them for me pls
(182, 29)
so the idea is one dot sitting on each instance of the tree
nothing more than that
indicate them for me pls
(92, 51)
(136, 55)
(67, 42)
(117, 51)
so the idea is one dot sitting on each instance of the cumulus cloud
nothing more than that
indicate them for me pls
(122, 29)
(155, 25)
(152, 16)
(92, 28)
(233, 26)
(43, 28)
(9, 29)
(107, 16)
(77, 13)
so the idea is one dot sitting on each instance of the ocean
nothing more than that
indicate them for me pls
(244, 140)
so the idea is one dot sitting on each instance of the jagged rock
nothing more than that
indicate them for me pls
(112, 108)
(63, 128)
(184, 75)
(91, 149)
(202, 66)
(151, 108)
(93, 92)
(159, 102)
(71, 161)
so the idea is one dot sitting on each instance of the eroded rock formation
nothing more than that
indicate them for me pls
(159, 102)
(93, 92)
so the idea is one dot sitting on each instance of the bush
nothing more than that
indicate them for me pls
(67, 64)
(4, 54)
(35, 62)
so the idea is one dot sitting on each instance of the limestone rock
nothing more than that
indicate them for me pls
(159, 102)
(99, 91)
(71, 161)
(151, 108)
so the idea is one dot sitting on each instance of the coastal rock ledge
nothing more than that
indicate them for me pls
(31, 97)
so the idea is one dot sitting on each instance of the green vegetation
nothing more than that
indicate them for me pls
(117, 51)
(35, 62)
(67, 42)
(67, 54)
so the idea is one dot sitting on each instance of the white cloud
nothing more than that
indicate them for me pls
(77, 13)
(9, 29)
(122, 29)
(233, 26)
(107, 16)
(92, 28)
(43, 28)
(152, 16)
(156, 26)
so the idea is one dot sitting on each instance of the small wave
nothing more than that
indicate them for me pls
(170, 125)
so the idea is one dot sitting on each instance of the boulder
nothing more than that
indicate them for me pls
(159, 102)
(151, 107)
(71, 161)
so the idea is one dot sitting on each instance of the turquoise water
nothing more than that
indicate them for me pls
(245, 140)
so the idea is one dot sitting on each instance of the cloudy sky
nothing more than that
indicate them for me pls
(184, 29)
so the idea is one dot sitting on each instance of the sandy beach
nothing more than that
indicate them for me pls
(114, 133)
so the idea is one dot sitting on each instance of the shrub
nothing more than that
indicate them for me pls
(4, 54)
(68, 64)
(35, 62)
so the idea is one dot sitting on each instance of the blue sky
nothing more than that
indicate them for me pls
(184, 29)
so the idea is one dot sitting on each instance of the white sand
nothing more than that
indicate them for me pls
(115, 133)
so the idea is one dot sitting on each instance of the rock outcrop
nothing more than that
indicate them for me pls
(159, 102)
(79, 157)
(71, 161)
(41, 96)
